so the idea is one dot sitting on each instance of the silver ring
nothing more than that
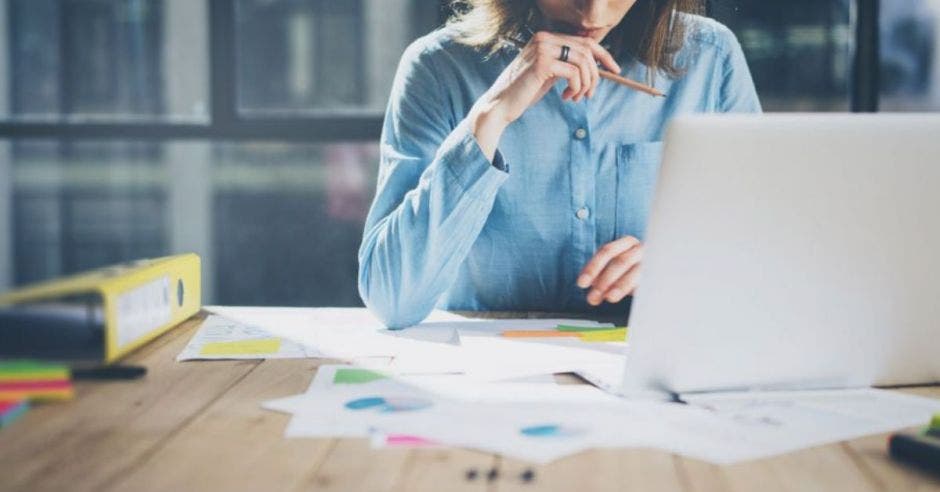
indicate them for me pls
(565, 50)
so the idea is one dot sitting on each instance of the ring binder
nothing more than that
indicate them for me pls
(100, 315)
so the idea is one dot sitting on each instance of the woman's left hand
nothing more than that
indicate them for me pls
(612, 272)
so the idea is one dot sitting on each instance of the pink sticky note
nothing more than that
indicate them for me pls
(406, 441)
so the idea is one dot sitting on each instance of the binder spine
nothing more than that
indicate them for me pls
(141, 310)
(145, 304)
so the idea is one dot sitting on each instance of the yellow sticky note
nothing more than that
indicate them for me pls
(260, 346)
(611, 335)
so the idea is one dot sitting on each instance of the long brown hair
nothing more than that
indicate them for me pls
(649, 32)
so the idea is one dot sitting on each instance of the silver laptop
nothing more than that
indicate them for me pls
(791, 251)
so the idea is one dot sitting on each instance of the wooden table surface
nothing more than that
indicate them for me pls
(199, 426)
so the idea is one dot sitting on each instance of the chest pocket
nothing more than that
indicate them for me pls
(637, 171)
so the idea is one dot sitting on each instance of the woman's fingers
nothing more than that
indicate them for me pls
(579, 59)
(580, 54)
(588, 65)
(599, 52)
(618, 278)
(603, 256)
(615, 269)
(585, 63)
(570, 73)
(624, 286)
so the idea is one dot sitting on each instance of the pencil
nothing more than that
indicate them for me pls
(630, 83)
(608, 75)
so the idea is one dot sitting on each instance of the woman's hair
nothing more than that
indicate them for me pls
(649, 32)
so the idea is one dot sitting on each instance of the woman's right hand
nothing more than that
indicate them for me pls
(531, 75)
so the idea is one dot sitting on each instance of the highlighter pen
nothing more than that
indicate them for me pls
(921, 450)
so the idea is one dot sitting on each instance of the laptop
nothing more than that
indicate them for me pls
(791, 251)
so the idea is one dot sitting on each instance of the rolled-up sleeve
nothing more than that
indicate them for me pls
(435, 192)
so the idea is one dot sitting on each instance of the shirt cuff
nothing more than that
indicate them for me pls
(464, 161)
(499, 162)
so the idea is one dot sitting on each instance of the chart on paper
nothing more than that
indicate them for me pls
(222, 338)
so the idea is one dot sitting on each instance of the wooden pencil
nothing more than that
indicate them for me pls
(607, 75)
(630, 83)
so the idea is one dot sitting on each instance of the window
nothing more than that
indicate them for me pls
(800, 52)
(245, 130)
(96, 60)
(275, 223)
(910, 55)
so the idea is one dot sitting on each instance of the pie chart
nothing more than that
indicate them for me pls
(551, 430)
(388, 404)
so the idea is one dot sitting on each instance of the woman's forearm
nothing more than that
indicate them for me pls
(487, 123)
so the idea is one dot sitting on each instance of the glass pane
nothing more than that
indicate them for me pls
(302, 56)
(800, 52)
(275, 224)
(103, 60)
(910, 55)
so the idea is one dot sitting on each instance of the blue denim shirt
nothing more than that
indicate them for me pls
(448, 229)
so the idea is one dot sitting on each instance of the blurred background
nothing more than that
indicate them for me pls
(246, 130)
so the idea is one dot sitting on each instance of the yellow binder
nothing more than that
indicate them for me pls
(135, 302)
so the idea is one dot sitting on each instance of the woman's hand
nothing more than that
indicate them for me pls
(612, 272)
(531, 75)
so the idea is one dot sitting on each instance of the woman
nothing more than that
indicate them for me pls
(512, 176)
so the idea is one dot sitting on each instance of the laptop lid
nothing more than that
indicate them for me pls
(791, 251)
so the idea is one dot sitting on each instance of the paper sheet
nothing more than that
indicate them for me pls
(541, 422)
(538, 422)
(444, 344)
(532, 424)
(346, 333)
(794, 420)
(461, 410)
(221, 338)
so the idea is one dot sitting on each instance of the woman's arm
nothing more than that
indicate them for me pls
(437, 182)
(435, 190)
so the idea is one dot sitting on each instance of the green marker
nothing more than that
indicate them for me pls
(933, 429)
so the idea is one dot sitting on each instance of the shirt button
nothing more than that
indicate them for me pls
(582, 213)
(580, 133)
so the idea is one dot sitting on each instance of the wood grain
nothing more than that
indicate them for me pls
(199, 426)
(602, 470)
(110, 426)
(233, 443)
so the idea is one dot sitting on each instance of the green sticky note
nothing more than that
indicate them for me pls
(609, 335)
(352, 375)
(935, 423)
(260, 346)
(32, 367)
(583, 328)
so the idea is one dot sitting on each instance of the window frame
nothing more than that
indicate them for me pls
(224, 122)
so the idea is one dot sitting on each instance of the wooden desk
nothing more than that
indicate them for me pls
(199, 426)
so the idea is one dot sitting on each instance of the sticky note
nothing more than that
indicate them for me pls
(259, 346)
(609, 335)
(583, 328)
(354, 375)
(36, 390)
(537, 334)
(27, 370)
(12, 410)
